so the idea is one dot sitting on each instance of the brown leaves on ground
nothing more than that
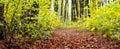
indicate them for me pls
(65, 39)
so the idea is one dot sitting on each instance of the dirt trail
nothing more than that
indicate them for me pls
(68, 39)
(83, 40)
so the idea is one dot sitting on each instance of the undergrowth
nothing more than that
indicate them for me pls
(105, 20)
(28, 18)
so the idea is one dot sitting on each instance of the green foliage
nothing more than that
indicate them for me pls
(106, 20)
(1, 24)
(29, 18)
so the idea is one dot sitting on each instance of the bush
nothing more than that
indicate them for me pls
(106, 20)
(28, 18)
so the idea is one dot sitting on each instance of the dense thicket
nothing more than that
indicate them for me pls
(31, 18)
(106, 20)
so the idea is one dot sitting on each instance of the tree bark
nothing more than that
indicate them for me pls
(59, 7)
(69, 10)
(52, 5)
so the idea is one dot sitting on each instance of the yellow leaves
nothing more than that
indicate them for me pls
(92, 29)
(46, 19)
(104, 36)
(111, 33)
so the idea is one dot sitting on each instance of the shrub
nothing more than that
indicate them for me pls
(28, 18)
(106, 20)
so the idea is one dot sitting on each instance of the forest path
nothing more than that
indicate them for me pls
(65, 39)
(72, 39)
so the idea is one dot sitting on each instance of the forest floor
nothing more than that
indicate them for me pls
(65, 39)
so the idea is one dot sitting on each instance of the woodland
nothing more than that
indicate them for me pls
(59, 24)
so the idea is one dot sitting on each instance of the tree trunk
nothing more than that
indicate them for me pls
(69, 11)
(59, 7)
(52, 5)
(63, 12)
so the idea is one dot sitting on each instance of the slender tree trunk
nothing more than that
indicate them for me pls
(76, 3)
(107, 2)
(104, 2)
(78, 6)
(63, 12)
(111, 1)
(73, 9)
(59, 7)
(69, 10)
(52, 5)
(66, 10)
